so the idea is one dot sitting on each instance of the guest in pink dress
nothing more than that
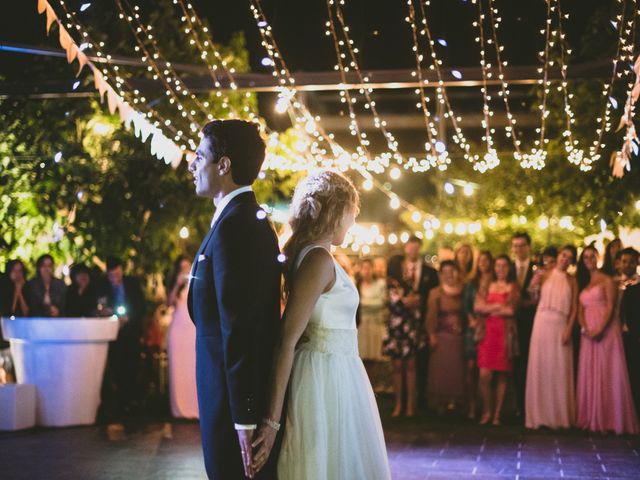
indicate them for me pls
(181, 348)
(603, 394)
(550, 395)
(497, 305)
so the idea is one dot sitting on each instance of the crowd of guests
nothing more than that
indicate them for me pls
(90, 294)
(562, 331)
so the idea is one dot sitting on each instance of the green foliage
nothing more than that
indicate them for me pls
(107, 195)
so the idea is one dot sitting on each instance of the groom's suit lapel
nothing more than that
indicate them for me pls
(243, 197)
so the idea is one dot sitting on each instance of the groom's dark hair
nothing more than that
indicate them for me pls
(241, 142)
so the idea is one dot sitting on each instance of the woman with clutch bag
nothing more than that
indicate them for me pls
(498, 347)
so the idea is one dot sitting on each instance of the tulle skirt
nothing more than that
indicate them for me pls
(333, 429)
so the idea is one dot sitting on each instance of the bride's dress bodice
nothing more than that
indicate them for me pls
(332, 325)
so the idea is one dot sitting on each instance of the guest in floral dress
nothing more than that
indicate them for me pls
(409, 282)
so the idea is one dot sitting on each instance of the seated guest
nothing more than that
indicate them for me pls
(81, 296)
(123, 297)
(630, 316)
(46, 293)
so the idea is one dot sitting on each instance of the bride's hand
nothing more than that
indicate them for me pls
(265, 437)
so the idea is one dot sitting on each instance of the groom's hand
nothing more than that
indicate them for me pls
(245, 438)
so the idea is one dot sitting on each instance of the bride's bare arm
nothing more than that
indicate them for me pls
(315, 275)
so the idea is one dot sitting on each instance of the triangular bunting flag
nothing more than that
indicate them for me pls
(82, 61)
(112, 100)
(65, 38)
(51, 17)
(72, 52)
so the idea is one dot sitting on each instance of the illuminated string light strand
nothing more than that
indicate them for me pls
(173, 92)
(536, 158)
(281, 71)
(624, 54)
(125, 90)
(160, 145)
(345, 94)
(435, 158)
(441, 90)
(366, 91)
(575, 154)
(193, 25)
(491, 159)
(510, 128)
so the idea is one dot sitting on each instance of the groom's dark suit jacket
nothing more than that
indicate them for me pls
(234, 301)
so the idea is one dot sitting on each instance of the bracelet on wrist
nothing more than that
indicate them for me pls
(272, 423)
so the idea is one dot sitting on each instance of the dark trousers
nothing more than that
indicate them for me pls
(121, 385)
(422, 364)
(525, 325)
(632, 353)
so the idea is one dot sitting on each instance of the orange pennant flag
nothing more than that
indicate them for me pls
(65, 38)
(51, 17)
(42, 6)
(98, 81)
(82, 61)
(112, 100)
(72, 52)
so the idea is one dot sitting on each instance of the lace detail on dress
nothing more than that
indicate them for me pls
(341, 341)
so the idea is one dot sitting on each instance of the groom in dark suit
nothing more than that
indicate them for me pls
(234, 300)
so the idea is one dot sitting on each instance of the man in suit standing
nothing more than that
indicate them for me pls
(122, 296)
(234, 301)
(630, 315)
(521, 251)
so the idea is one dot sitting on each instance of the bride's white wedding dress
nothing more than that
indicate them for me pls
(332, 425)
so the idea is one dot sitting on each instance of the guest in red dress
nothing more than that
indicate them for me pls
(498, 345)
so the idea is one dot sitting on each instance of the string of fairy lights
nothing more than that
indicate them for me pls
(201, 39)
(481, 163)
(175, 89)
(347, 44)
(301, 113)
(624, 55)
(435, 151)
(318, 147)
(575, 154)
(125, 90)
(429, 222)
(345, 95)
(485, 68)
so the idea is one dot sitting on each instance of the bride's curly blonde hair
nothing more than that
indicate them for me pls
(319, 203)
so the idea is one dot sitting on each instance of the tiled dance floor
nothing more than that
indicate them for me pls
(422, 448)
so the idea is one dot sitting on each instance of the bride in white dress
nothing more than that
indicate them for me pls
(332, 425)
